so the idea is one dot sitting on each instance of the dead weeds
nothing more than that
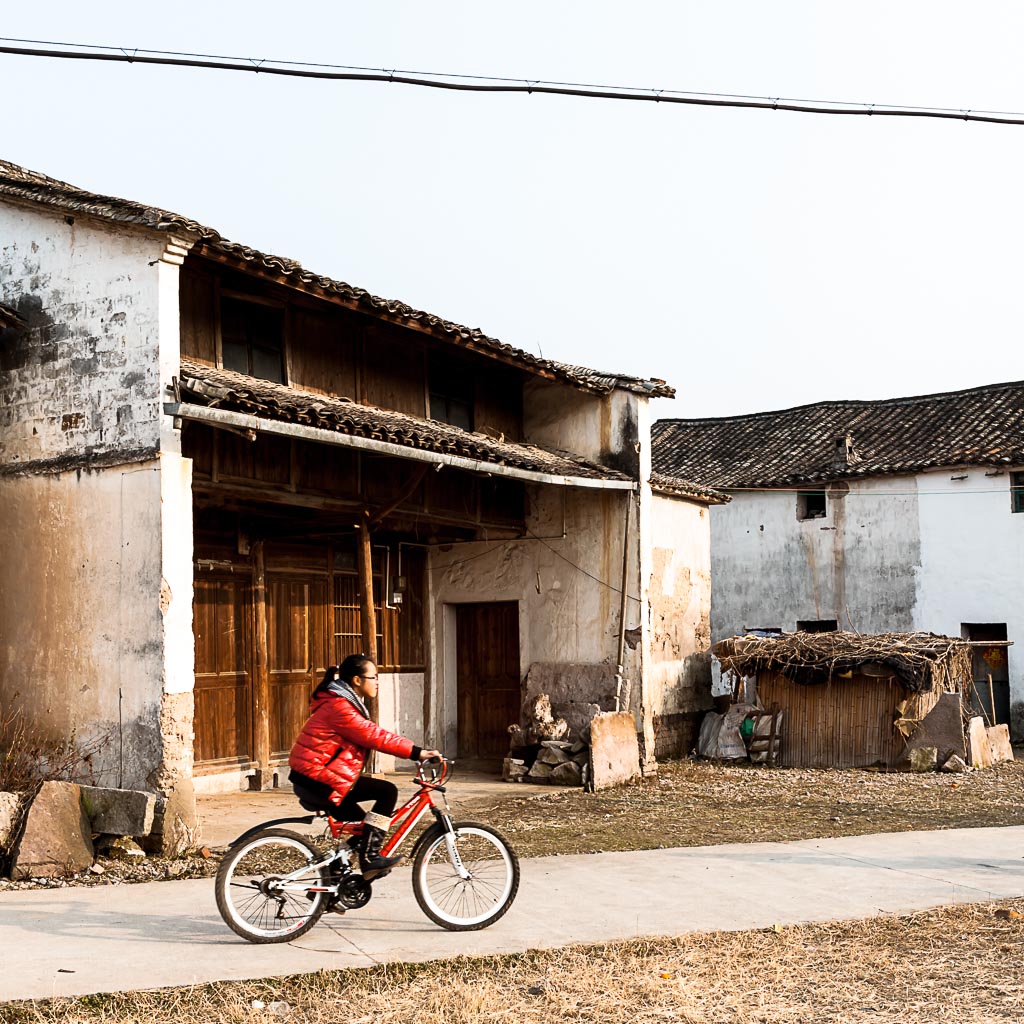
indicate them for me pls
(701, 803)
(959, 963)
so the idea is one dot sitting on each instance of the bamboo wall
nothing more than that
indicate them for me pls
(845, 723)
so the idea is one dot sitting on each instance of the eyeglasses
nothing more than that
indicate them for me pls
(367, 677)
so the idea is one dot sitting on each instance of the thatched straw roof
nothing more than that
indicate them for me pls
(918, 660)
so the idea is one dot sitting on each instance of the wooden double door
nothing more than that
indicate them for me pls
(297, 644)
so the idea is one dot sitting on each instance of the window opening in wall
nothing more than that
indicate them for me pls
(767, 630)
(817, 625)
(252, 339)
(452, 388)
(810, 505)
(1017, 492)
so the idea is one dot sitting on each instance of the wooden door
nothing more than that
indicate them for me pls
(488, 689)
(222, 623)
(296, 652)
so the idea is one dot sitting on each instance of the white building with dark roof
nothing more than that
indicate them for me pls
(884, 516)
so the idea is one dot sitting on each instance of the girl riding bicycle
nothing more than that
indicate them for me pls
(327, 758)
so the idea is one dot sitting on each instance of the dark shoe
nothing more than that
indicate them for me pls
(370, 860)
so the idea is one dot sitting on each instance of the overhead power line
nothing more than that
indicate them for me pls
(491, 84)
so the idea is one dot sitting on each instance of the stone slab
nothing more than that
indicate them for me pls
(614, 750)
(10, 808)
(569, 683)
(978, 753)
(57, 839)
(942, 728)
(119, 812)
(998, 737)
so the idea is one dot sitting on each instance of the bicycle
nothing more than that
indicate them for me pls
(273, 884)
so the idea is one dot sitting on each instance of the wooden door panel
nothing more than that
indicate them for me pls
(488, 686)
(223, 690)
(297, 645)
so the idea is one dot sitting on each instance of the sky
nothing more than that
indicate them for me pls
(753, 259)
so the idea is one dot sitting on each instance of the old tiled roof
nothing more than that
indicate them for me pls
(30, 186)
(675, 487)
(225, 389)
(980, 426)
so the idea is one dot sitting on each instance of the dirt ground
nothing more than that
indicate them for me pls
(696, 803)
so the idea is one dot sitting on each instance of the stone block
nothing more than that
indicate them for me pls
(119, 812)
(577, 715)
(955, 765)
(923, 759)
(553, 755)
(175, 827)
(614, 750)
(942, 728)
(513, 769)
(567, 774)
(540, 772)
(978, 753)
(998, 737)
(10, 813)
(57, 839)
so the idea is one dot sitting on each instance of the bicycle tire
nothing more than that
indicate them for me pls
(465, 905)
(246, 898)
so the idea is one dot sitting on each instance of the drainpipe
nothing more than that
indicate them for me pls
(619, 680)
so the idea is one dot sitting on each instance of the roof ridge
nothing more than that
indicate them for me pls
(842, 403)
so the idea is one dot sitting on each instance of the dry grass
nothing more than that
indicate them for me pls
(699, 803)
(959, 964)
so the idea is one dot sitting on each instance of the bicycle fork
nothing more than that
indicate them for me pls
(453, 849)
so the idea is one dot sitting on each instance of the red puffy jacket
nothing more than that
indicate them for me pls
(333, 744)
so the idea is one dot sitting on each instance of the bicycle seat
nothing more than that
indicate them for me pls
(310, 801)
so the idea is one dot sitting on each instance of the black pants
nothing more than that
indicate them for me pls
(384, 795)
(315, 795)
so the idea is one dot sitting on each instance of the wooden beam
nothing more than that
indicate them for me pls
(367, 614)
(261, 673)
(403, 495)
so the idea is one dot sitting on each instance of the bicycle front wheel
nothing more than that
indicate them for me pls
(263, 887)
(478, 895)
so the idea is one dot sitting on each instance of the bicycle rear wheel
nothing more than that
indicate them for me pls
(262, 887)
(464, 904)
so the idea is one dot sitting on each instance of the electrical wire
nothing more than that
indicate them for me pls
(493, 84)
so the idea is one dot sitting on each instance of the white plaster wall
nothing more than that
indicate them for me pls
(400, 709)
(859, 565)
(565, 612)
(972, 553)
(680, 606)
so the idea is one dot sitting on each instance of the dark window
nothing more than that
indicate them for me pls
(252, 339)
(452, 387)
(810, 505)
(767, 630)
(817, 625)
(1017, 492)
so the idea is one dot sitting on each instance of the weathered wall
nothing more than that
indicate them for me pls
(400, 708)
(858, 565)
(564, 613)
(80, 615)
(679, 664)
(84, 378)
(96, 584)
(924, 552)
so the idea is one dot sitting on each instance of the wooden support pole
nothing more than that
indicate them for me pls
(367, 616)
(264, 778)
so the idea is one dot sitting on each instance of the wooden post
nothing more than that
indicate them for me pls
(367, 615)
(264, 778)
(991, 698)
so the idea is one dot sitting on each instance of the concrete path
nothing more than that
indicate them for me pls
(80, 940)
